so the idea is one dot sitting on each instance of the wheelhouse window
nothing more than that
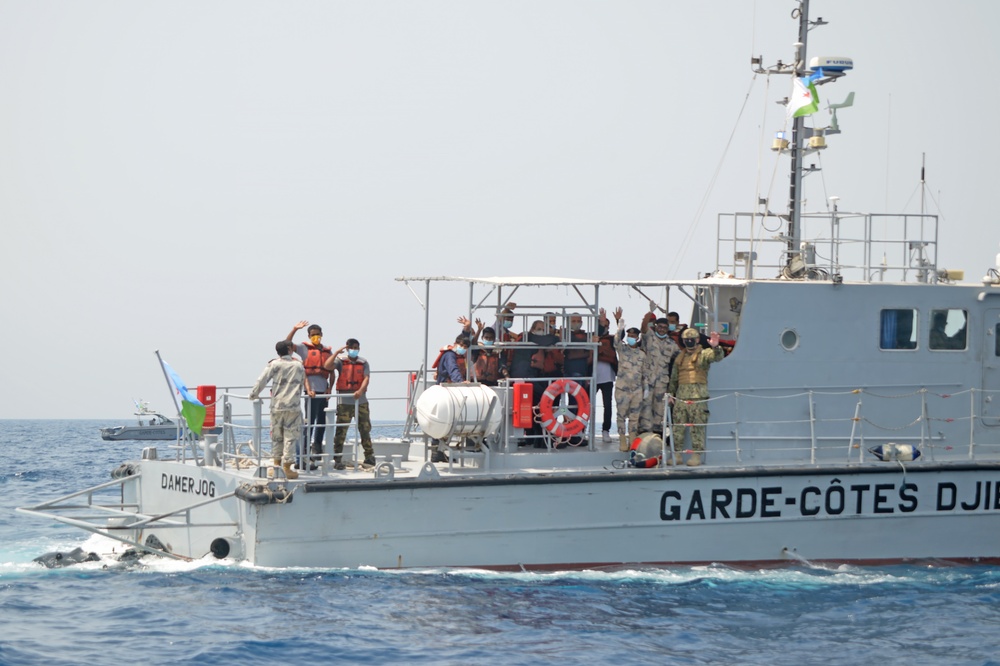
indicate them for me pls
(948, 329)
(996, 337)
(898, 330)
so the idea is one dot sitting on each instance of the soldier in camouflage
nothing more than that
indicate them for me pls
(689, 390)
(660, 350)
(287, 376)
(629, 383)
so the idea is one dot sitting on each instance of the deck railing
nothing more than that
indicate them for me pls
(862, 247)
(826, 426)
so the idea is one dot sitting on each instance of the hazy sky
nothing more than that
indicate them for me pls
(195, 177)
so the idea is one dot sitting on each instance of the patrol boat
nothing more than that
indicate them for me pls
(149, 425)
(881, 450)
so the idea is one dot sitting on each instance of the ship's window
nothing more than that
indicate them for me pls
(789, 339)
(898, 331)
(996, 337)
(948, 329)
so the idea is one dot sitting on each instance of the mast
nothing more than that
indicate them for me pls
(804, 140)
(798, 125)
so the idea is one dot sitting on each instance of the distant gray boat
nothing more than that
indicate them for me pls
(150, 426)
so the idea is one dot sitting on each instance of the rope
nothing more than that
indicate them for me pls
(689, 234)
(890, 428)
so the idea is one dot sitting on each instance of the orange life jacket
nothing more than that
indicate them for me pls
(487, 368)
(459, 359)
(315, 358)
(352, 373)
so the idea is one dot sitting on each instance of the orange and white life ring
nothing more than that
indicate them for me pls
(571, 424)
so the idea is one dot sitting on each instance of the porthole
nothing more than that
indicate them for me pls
(789, 339)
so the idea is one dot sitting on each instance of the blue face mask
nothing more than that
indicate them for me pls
(458, 350)
(672, 327)
(662, 337)
(353, 353)
(507, 324)
(630, 342)
(487, 343)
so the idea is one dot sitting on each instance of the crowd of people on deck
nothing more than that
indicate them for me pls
(639, 368)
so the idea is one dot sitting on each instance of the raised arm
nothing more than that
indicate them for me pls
(298, 327)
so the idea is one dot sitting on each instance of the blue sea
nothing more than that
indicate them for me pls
(164, 612)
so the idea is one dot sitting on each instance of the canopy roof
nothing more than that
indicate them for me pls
(515, 281)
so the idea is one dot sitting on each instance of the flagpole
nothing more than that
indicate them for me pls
(173, 392)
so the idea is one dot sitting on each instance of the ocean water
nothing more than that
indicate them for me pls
(159, 612)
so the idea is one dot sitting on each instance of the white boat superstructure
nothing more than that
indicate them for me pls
(855, 417)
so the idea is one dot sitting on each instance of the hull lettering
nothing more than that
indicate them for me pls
(187, 484)
(834, 499)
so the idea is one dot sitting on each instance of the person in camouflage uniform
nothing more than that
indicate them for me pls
(287, 376)
(689, 390)
(353, 374)
(629, 383)
(660, 350)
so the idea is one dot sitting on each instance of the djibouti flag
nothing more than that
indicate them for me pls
(804, 99)
(191, 408)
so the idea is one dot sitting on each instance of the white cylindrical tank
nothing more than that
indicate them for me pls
(458, 409)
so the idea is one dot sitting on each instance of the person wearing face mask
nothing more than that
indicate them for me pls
(314, 356)
(489, 364)
(449, 372)
(675, 326)
(460, 359)
(660, 350)
(689, 391)
(504, 324)
(630, 381)
(353, 374)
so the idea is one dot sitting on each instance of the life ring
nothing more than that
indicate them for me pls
(572, 424)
